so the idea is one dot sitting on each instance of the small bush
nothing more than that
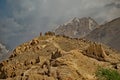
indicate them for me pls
(107, 74)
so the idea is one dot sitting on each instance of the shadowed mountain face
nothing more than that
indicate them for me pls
(108, 33)
(53, 57)
(77, 27)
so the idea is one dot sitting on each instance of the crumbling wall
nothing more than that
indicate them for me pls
(96, 51)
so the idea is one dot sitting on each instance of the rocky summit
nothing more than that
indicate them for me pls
(55, 57)
(77, 27)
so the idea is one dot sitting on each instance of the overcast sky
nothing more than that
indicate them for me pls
(21, 20)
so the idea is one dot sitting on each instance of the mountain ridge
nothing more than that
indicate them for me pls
(77, 27)
(107, 33)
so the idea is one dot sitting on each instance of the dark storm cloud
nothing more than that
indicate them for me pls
(117, 5)
(24, 19)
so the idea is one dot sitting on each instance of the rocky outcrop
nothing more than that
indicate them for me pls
(53, 57)
(77, 27)
(96, 51)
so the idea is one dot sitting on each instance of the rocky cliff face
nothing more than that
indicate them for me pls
(77, 27)
(108, 34)
(53, 57)
(3, 52)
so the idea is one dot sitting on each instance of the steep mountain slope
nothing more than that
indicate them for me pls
(53, 57)
(108, 33)
(77, 27)
(3, 52)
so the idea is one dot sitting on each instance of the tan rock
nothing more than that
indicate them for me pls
(96, 51)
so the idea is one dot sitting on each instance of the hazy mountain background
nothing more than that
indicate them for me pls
(3, 52)
(21, 20)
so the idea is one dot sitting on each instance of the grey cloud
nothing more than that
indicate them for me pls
(113, 4)
(29, 17)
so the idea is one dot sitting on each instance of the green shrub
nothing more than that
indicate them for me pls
(107, 74)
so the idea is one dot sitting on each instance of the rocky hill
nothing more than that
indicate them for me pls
(3, 52)
(109, 34)
(77, 27)
(51, 57)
